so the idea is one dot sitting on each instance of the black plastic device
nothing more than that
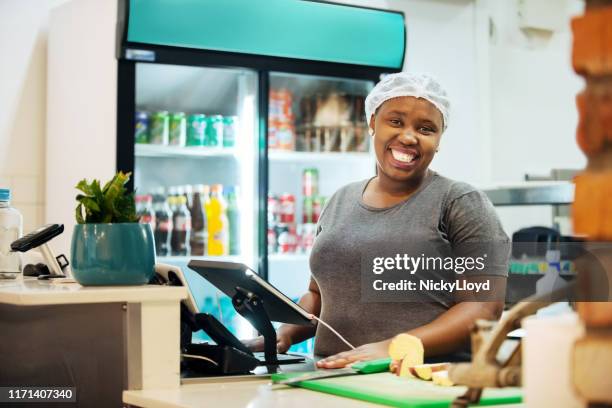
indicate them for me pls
(230, 355)
(222, 336)
(229, 276)
(203, 359)
(256, 300)
(218, 332)
(38, 237)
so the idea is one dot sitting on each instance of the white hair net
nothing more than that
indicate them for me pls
(408, 84)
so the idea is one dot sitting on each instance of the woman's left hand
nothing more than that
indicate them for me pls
(370, 351)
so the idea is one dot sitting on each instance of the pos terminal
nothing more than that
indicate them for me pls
(254, 299)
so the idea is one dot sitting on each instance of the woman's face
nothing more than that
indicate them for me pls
(407, 132)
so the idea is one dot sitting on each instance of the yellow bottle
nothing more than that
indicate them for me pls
(218, 225)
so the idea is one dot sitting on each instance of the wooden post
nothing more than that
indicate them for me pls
(592, 210)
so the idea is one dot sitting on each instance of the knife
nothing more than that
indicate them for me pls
(361, 367)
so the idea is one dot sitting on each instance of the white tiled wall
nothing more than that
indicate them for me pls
(28, 197)
(23, 38)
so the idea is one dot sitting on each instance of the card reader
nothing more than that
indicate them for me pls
(40, 238)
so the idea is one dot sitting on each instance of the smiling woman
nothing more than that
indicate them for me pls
(407, 133)
(407, 114)
(405, 205)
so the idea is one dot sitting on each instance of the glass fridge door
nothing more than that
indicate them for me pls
(317, 143)
(196, 170)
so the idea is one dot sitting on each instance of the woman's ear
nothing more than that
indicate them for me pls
(372, 125)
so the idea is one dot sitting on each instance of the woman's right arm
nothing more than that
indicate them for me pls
(289, 334)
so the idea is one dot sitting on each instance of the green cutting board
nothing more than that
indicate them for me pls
(388, 389)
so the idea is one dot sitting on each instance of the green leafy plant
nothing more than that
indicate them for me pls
(110, 204)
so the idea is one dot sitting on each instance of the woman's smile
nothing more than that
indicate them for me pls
(403, 158)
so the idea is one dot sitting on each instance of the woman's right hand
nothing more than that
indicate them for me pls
(288, 333)
(283, 342)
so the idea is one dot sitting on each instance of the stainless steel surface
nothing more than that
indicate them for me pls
(539, 194)
(555, 174)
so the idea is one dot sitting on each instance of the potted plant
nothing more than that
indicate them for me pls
(109, 246)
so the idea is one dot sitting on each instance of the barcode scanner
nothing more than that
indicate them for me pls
(39, 239)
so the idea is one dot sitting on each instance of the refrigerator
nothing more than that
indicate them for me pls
(278, 87)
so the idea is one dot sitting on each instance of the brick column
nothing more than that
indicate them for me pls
(592, 210)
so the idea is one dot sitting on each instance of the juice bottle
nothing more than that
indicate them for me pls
(205, 199)
(218, 226)
(233, 216)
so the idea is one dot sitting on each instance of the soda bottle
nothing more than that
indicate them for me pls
(188, 193)
(273, 209)
(180, 191)
(172, 193)
(199, 233)
(218, 243)
(163, 225)
(182, 228)
(138, 204)
(233, 217)
(144, 210)
(287, 208)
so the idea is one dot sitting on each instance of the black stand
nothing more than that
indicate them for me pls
(227, 360)
(229, 355)
(250, 306)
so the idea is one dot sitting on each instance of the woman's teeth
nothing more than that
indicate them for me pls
(402, 157)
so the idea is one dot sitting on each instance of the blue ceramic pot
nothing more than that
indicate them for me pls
(112, 254)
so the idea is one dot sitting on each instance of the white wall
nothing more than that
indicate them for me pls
(23, 72)
(533, 114)
(81, 105)
(442, 41)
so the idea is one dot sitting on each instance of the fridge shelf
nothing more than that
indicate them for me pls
(144, 150)
(292, 157)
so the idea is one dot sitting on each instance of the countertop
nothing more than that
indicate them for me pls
(240, 392)
(255, 393)
(31, 291)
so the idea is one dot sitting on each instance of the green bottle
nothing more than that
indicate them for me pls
(233, 216)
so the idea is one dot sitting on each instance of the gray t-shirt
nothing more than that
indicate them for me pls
(442, 211)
